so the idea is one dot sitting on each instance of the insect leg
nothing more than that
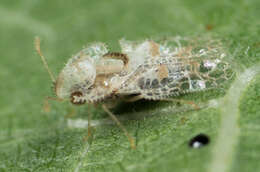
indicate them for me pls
(46, 105)
(89, 124)
(38, 49)
(182, 101)
(130, 138)
(89, 136)
(71, 113)
(134, 98)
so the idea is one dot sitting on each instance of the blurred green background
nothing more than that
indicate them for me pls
(31, 140)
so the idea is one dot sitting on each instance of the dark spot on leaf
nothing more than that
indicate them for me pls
(199, 141)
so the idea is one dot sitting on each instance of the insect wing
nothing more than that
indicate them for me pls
(171, 76)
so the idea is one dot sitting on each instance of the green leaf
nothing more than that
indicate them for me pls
(32, 140)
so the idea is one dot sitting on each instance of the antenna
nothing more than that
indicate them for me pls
(37, 43)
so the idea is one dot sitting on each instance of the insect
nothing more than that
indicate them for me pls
(142, 70)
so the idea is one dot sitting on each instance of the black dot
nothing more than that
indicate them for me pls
(199, 141)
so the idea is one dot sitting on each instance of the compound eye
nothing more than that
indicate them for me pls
(75, 98)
